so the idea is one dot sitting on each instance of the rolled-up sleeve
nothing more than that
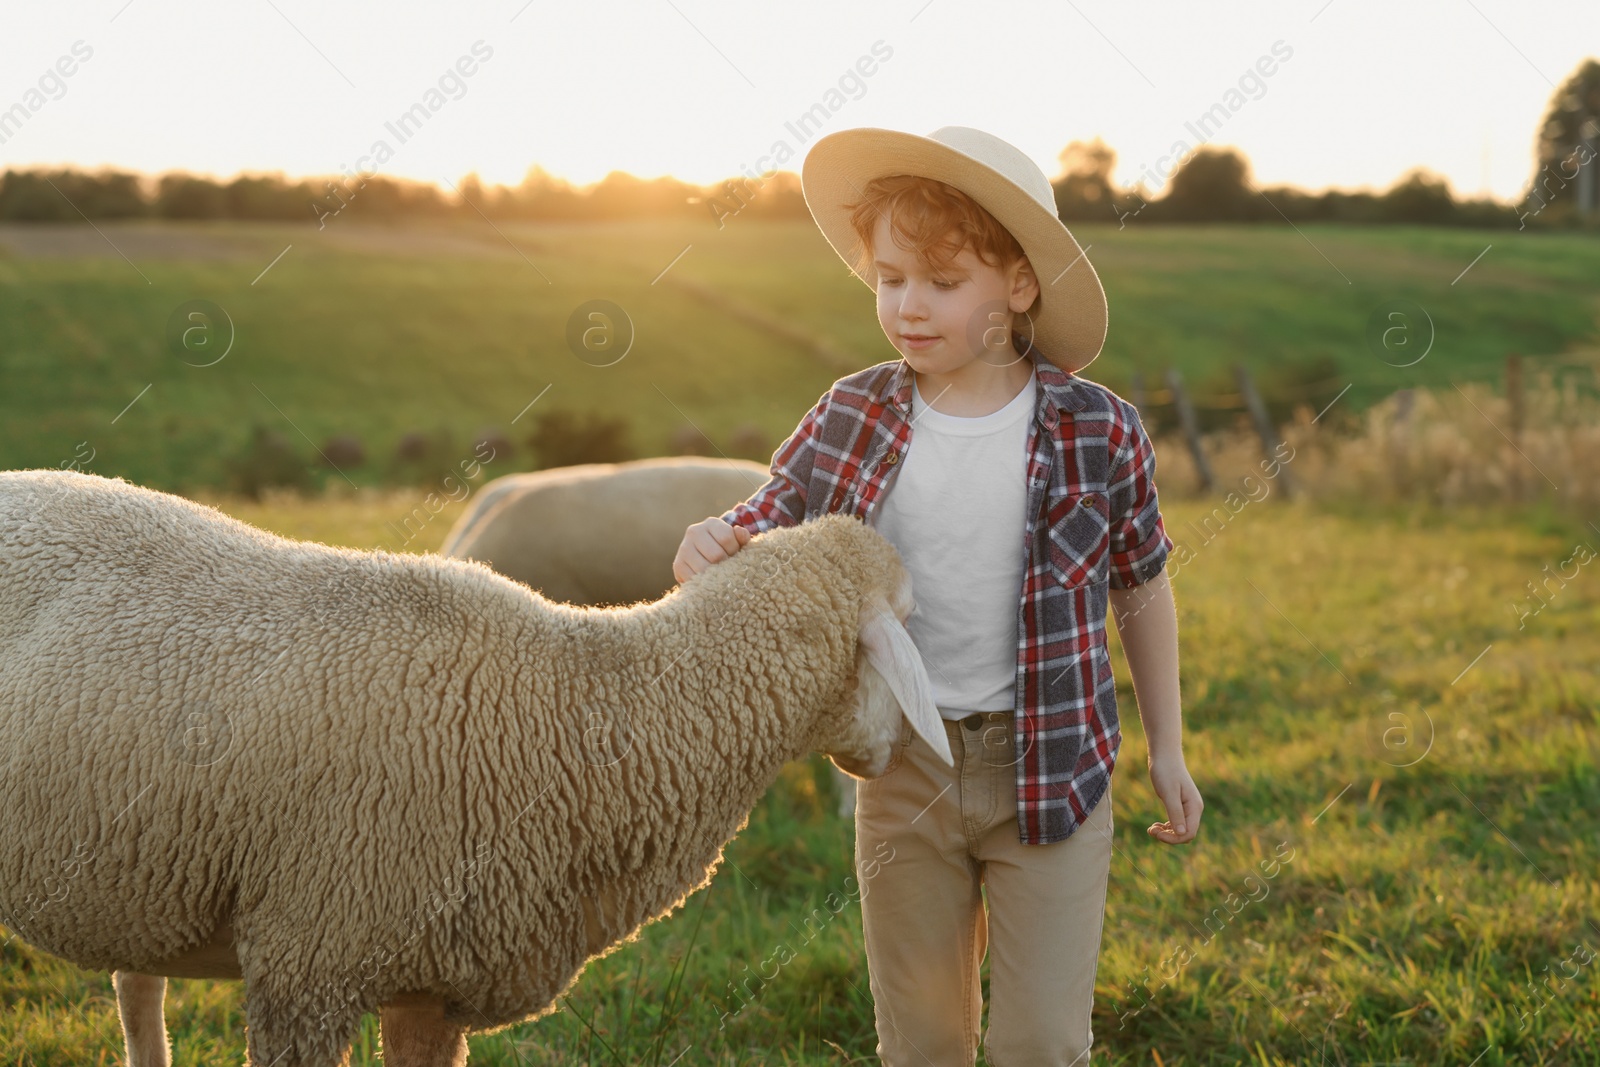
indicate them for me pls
(1139, 541)
(782, 500)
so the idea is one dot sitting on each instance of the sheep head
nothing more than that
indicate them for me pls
(892, 685)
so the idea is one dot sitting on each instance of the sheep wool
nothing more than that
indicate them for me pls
(355, 777)
(598, 533)
(604, 533)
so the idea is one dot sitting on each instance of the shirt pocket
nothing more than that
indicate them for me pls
(1079, 538)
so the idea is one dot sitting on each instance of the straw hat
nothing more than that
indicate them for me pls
(1069, 326)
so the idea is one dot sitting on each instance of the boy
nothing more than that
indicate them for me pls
(1024, 478)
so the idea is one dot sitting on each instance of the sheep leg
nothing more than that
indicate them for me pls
(140, 1000)
(414, 1033)
(846, 787)
(286, 1028)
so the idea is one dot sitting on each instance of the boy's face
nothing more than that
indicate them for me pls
(942, 320)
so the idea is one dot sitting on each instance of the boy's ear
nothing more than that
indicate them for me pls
(1024, 285)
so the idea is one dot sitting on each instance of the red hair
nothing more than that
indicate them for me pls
(933, 219)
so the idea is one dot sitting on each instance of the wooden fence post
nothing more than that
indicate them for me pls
(1263, 423)
(1514, 431)
(1399, 440)
(1191, 429)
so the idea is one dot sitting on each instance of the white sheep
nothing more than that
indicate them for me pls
(597, 533)
(605, 533)
(373, 782)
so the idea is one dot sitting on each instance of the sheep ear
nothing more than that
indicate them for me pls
(892, 653)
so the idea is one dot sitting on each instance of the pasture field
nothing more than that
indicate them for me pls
(1390, 706)
(1397, 749)
(372, 331)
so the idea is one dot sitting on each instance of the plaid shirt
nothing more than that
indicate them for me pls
(1092, 525)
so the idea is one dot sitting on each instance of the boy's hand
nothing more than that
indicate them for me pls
(1170, 778)
(706, 542)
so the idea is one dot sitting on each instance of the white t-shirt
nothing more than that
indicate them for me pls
(955, 512)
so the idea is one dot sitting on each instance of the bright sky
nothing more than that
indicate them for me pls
(703, 90)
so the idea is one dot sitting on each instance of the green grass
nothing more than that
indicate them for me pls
(1320, 653)
(375, 332)
(1322, 647)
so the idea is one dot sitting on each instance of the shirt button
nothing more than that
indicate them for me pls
(1088, 500)
(892, 458)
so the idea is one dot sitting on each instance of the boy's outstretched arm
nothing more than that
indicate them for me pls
(780, 502)
(1147, 622)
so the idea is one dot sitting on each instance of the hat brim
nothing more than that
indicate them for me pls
(1070, 326)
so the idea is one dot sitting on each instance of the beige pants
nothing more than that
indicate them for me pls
(927, 837)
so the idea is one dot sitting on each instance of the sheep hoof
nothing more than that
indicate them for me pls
(414, 1033)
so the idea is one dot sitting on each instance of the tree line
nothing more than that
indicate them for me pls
(1210, 184)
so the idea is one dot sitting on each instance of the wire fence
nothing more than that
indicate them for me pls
(1534, 435)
